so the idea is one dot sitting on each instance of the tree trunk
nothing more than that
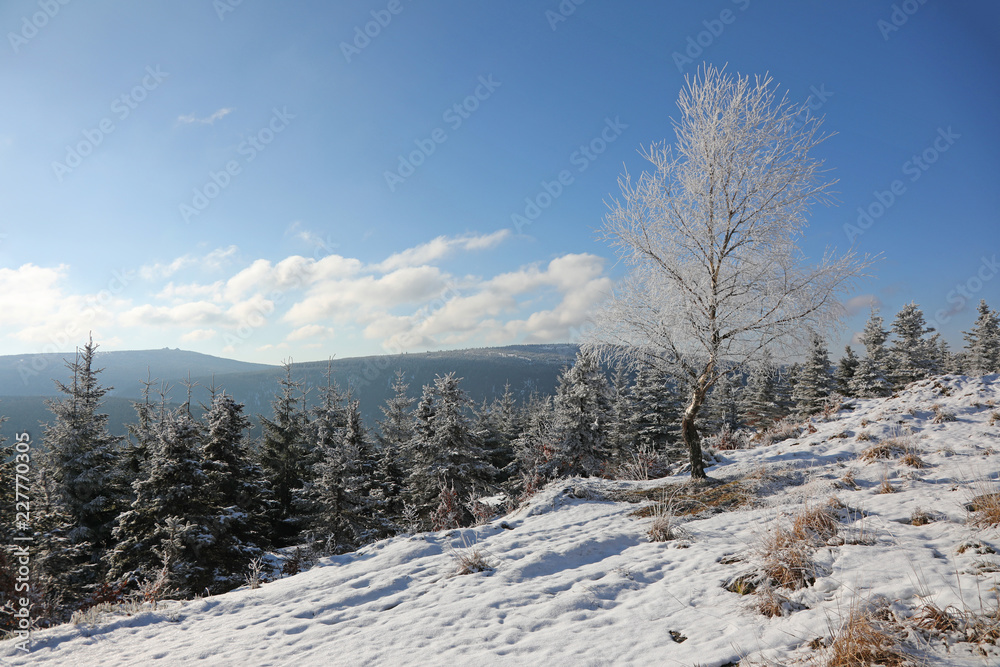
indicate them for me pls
(690, 433)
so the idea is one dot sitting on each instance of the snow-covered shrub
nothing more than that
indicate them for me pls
(644, 463)
(448, 514)
(727, 439)
(782, 430)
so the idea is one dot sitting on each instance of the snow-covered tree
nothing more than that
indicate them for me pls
(445, 450)
(982, 343)
(169, 524)
(582, 413)
(711, 239)
(83, 456)
(813, 381)
(761, 400)
(344, 514)
(722, 405)
(234, 489)
(534, 446)
(845, 372)
(395, 430)
(911, 356)
(285, 457)
(870, 377)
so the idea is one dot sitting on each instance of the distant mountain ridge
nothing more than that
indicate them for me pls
(26, 381)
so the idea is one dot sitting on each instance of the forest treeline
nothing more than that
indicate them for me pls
(183, 505)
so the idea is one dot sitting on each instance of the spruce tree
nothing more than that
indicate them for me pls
(845, 372)
(285, 458)
(234, 490)
(83, 456)
(170, 524)
(813, 381)
(394, 433)
(445, 450)
(870, 377)
(761, 400)
(582, 413)
(982, 343)
(722, 404)
(910, 358)
(653, 413)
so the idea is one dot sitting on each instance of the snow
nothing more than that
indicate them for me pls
(577, 581)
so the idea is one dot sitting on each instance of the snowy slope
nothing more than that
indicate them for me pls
(577, 581)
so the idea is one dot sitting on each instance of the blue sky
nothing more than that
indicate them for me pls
(263, 180)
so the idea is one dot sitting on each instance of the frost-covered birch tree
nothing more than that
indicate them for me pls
(710, 236)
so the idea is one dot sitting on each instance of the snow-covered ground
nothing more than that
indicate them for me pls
(576, 580)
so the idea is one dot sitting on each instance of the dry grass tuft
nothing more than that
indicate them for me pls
(786, 559)
(864, 436)
(919, 517)
(848, 481)
(868, 637)
(887, 449)
(984, 505)
(886, 486)
(911, 459)
(941, 415)
(472, 560)
(816, 525)
(689, 498)
(994, 418)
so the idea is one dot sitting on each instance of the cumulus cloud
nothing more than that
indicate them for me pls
(213, 261)
(407, 301)
(439, 248)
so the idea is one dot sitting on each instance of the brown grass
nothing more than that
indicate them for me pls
(815, 525)
(984, 506)
(786, 559)
(472, 560)
(920, 518)
(887, 449)
(941, 415)
(886, 486)
(868, 637)
(689, 498)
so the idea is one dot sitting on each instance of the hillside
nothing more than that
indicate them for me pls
(575, 578)
(27, 380)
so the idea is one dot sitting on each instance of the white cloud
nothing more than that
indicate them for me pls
(407, 301)
(198, 335)
(310, 331)
(439, 248)
(208, 120)
(215, 260)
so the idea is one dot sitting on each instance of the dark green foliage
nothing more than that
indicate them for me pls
(582, 413)
(813, 380)
(286, 458)
(445, 450)
(83, 456)
(982, 343)
(845, 372)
